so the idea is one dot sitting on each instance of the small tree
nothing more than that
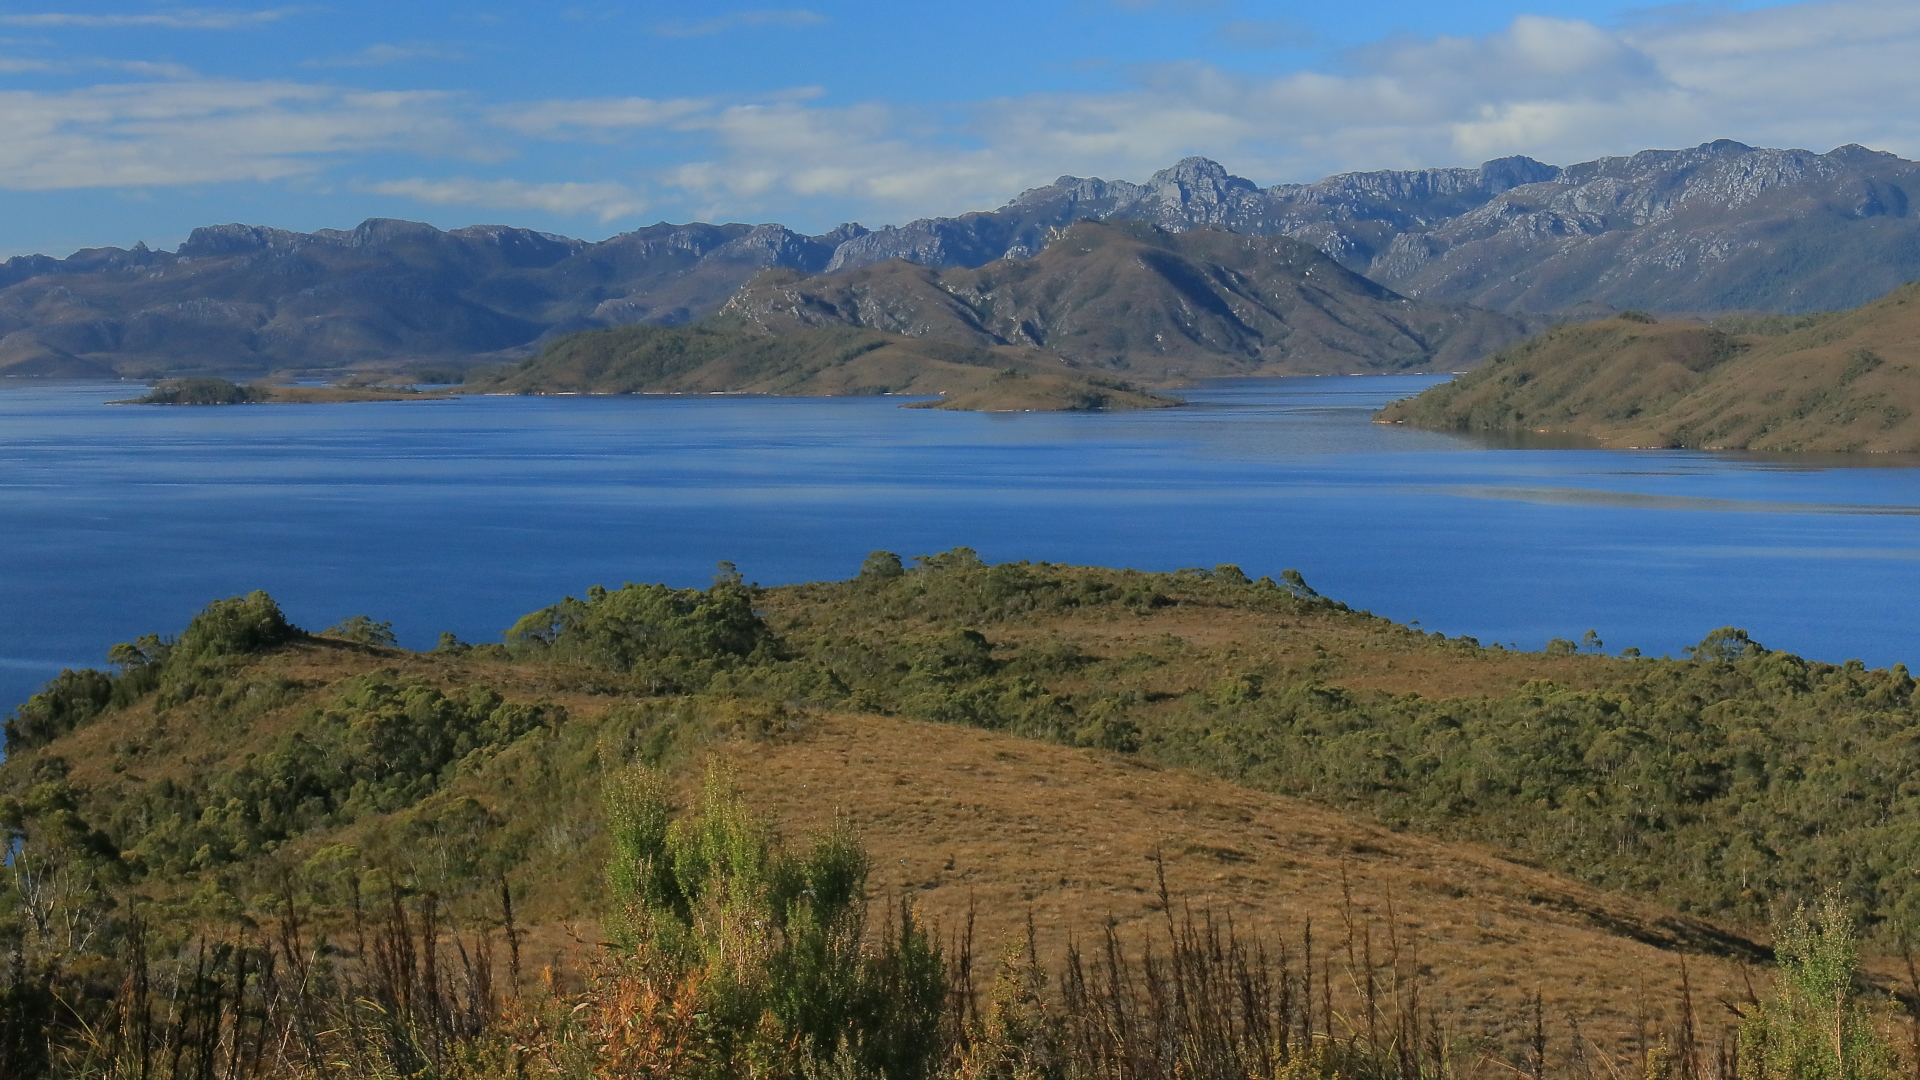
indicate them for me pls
(1813, 1026)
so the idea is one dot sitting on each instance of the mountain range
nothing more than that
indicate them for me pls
(1718, 227)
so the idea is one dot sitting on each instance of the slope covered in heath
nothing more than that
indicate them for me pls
(1045, 764)
(1724, 784)
(1849, 382)
(1159, 305)
(722, 357)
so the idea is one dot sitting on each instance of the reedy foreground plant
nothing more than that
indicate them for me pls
(774, 942)
(1815, 1025)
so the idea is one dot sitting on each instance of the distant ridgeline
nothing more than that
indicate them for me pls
(1838, 381)
(1161, 306)
(212, 765)
(1718, 227)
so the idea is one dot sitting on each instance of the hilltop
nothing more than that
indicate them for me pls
(1846, 381)
(1020, 736)
(1159, 305)
(1718, 227)
(720, 356)
(1009, 742)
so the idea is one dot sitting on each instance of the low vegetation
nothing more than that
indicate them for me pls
(247, 808)
(201, 391)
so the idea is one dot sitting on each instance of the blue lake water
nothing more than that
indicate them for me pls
(462, 515)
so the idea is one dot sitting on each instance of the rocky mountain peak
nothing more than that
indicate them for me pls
(1503, 174)
(216, 240)
(1198, 181)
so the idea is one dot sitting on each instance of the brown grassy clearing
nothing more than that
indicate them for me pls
(957, 818)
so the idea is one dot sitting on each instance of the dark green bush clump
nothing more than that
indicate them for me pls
(241, 626)
(635, 625)
(380, 746)
(201, 391)
(71, 699)
(362, 630)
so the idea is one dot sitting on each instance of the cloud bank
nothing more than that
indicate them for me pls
(1813, 75)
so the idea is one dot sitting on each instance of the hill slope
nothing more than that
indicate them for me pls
(220, 770)
(1161, 306)
(1723, 785)
(719, 357)
(1846, 383)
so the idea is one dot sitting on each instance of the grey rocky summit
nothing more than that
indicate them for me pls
(1722, 226)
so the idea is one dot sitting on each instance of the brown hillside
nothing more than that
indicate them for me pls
(1850, 383)
(1161, 306)
(956, 817)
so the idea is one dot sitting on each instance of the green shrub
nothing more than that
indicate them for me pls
(361, 629)
(200, 391)
(379, 746)
(772, 935)
(621, 628)
(1814, 1025)
(71, 699)
(244, 624)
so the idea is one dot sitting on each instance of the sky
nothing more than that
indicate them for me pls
(136, 121)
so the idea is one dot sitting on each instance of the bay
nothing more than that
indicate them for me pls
(462, 515)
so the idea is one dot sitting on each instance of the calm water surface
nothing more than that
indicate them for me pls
(462, 515)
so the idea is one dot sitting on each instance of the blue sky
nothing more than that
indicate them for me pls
(138, 121)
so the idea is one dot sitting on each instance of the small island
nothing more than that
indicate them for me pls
(203, 390)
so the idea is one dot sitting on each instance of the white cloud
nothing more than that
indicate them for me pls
(1563, 90)
(605, 201)
(382, 54)
(594, 117)
(183, 19)
(13, 65)
(208, 130)
(1813, 75)
(741, 20)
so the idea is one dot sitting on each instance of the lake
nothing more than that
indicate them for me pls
(462, 515)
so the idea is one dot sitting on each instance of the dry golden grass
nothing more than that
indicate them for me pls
(957, 818)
